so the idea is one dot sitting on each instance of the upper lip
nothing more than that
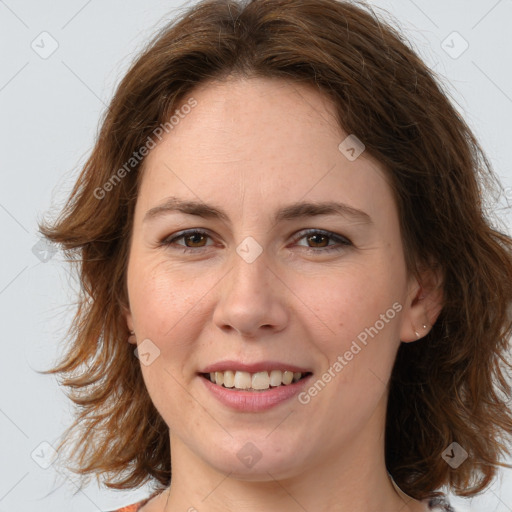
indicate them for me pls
(260, 366)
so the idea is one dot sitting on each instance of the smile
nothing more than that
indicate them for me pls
(259, 381)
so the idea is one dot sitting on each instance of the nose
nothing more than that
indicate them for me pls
(252, 299)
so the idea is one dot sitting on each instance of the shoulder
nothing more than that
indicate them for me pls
(132, 508)
(135, 507)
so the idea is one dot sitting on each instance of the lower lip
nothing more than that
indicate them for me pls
(254, 401)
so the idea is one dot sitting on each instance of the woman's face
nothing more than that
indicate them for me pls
(267, 285)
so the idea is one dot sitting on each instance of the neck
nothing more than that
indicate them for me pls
(355, 480)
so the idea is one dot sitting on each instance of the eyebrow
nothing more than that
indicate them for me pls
(293, 211)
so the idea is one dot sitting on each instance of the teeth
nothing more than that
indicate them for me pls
(276, 377)
(254, 381)
(287, 377)
(229, 378)
(260, 380)
(242, 380)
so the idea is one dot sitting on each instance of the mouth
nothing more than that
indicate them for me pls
(262, 381)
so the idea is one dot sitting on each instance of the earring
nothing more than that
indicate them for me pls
(424, 327)
(131, 338)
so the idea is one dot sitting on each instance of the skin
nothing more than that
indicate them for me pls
(249, 147)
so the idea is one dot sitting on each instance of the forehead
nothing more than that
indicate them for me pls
(260, 141)
(248, 117)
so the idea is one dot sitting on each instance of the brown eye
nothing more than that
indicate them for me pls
(193, 239)
(318, 241)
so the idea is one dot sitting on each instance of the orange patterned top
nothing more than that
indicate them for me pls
(135, 506)
(132, 508)
(436, 505)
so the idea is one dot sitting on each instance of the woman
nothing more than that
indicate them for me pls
(292, 295)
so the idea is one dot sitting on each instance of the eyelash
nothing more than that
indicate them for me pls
(345, 242)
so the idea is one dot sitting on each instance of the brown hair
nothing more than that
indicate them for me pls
(450, 386)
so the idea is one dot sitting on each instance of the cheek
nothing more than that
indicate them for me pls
(161, 298)
(163, 304)
(343, 303)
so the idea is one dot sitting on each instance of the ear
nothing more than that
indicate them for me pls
(129, 323)
(424, 303)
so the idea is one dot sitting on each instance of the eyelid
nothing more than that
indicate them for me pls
(312, 231)
(340, 239)
(168, 240)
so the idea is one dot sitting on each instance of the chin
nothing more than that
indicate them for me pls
(258, 460)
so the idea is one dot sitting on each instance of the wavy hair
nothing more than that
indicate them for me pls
(451, 386)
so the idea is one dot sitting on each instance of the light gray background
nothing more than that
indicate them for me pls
(50, 110)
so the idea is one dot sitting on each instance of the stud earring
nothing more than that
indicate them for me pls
(424, 327)
(131, 338)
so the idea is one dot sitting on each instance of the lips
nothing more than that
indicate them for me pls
(259, 381)
(254, 387)
(262, 366)
(255, 376)
(253, 400)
